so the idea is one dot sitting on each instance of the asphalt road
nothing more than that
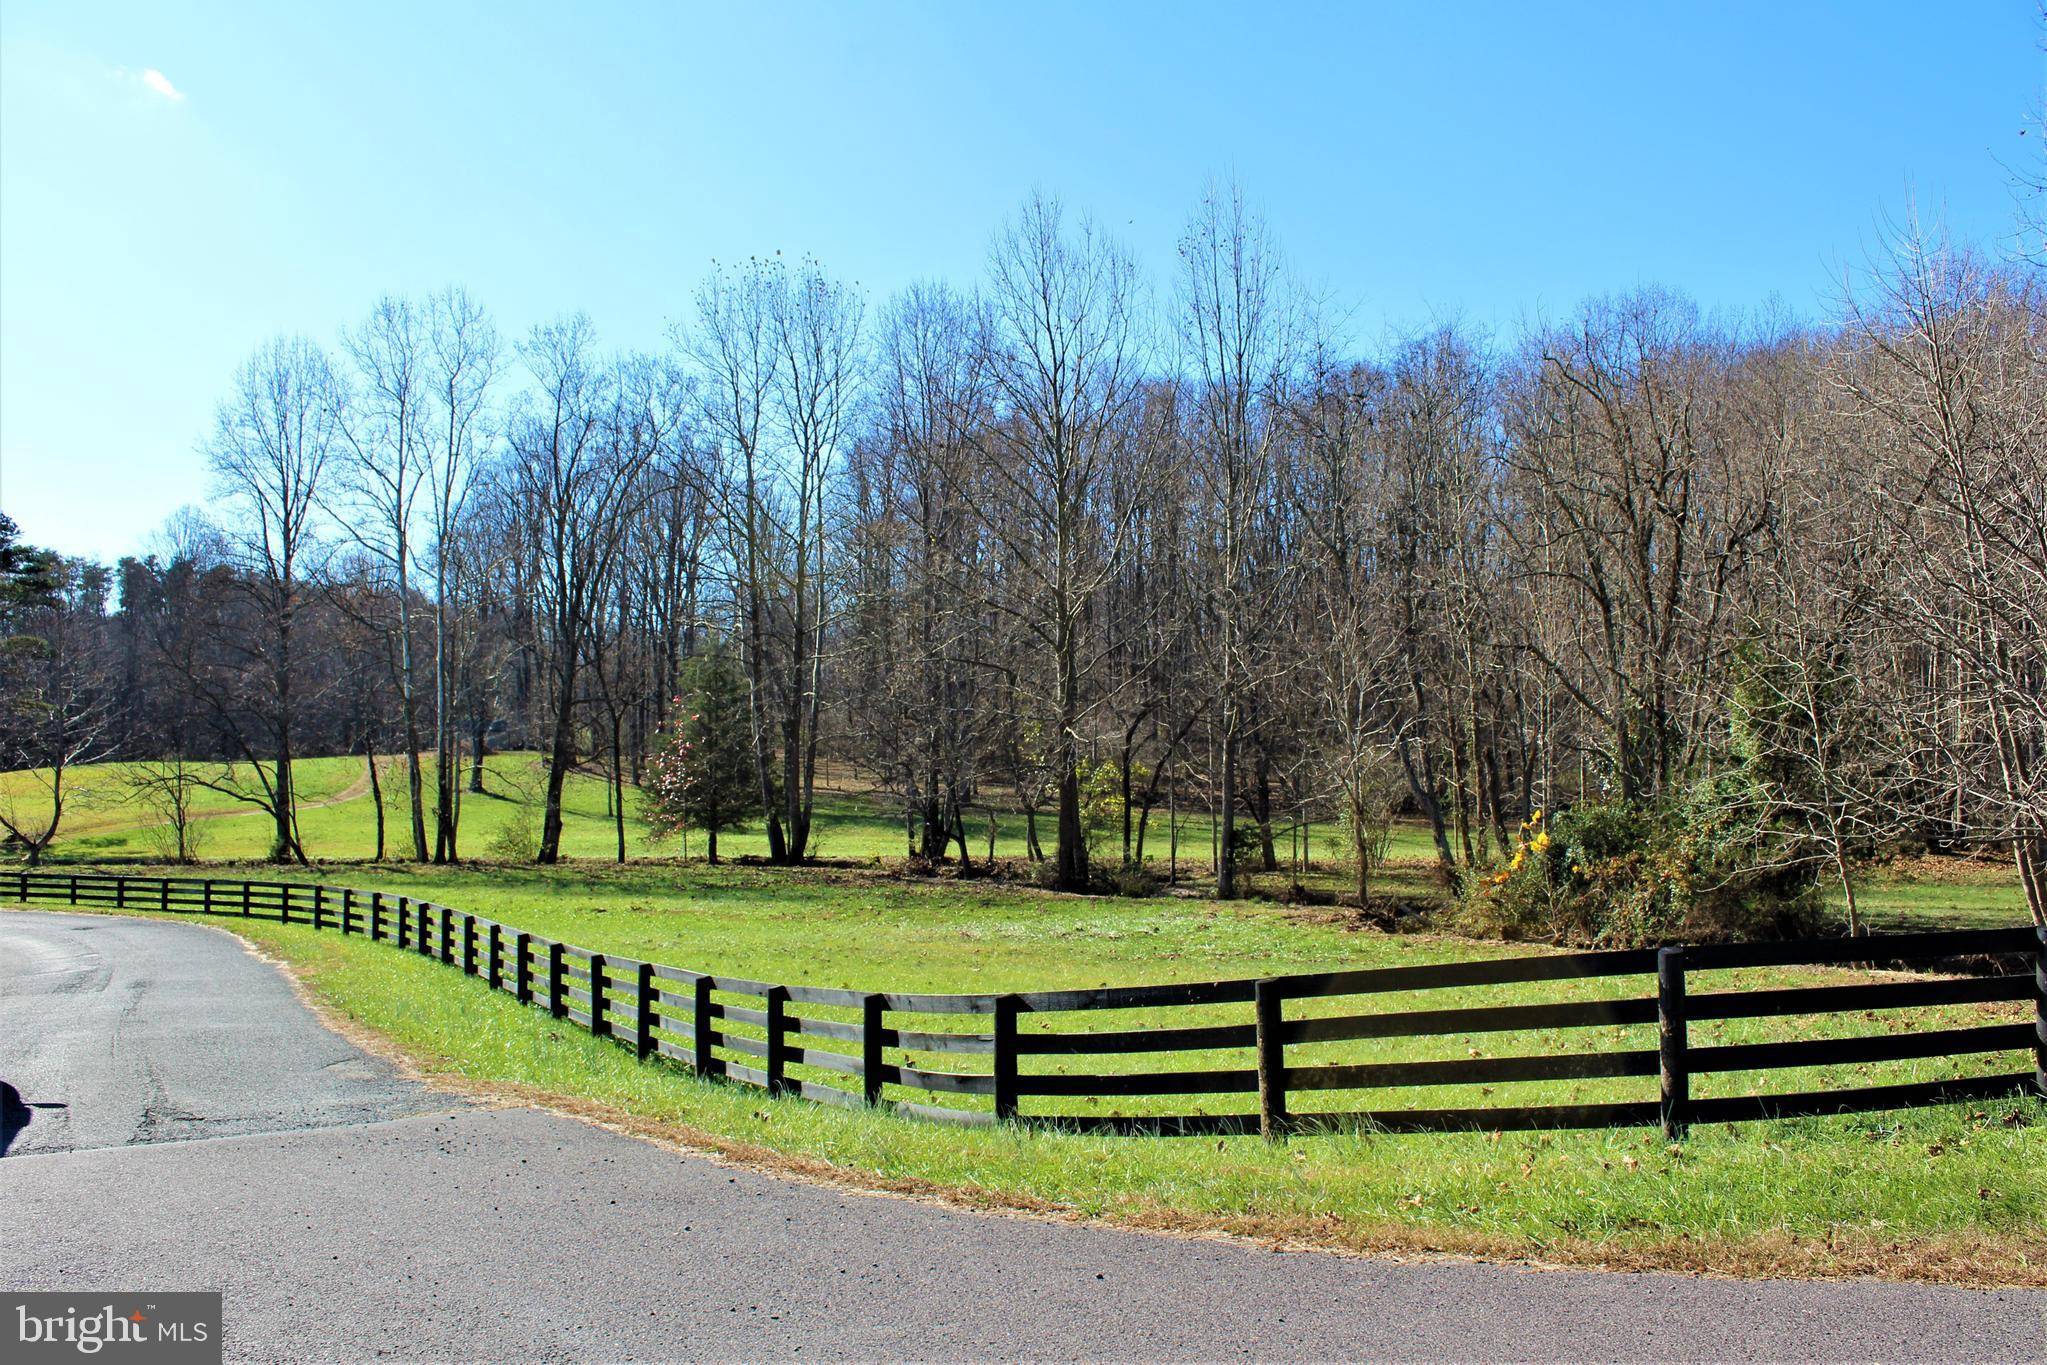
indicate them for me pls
(213, 1136)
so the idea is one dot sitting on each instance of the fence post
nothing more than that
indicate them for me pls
(705, 1063)
(247, 909)
(522, 980)
(599, 1025)
(557, 1004)
(319, 907)
(1005, 1058)
(468, 944)
(643, 1018)
(376, 917)
(206, 896)
(2040, 1017)
(1671, 1042)
(871, 1031)
(74, 888)
(494, 951)
(1268, 1006)
(778, 1049)
(347, 911)
(120, 892)
(164, 894)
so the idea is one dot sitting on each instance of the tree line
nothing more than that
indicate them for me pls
(1065, 543)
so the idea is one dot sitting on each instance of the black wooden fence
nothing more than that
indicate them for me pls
(852, 1048)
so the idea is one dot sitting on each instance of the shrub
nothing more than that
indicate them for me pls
(1623, 874)
(517, 840)
(1133, 879)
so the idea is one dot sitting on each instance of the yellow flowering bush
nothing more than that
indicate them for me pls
(1631, 873)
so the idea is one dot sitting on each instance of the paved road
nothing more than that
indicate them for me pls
(348, 1233)
(120, 1031)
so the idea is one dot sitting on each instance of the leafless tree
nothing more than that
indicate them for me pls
(1066, 358)
(573, 491)
(57, 711)
(385, 445)
(461, 363)
(272, 442)
(1239, 333)
(1950, 366)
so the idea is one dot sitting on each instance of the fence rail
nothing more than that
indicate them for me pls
(840, 1046)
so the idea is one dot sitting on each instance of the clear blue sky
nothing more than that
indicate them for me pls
(1493, 162)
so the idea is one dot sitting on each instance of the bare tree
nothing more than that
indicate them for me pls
(1238, 332)
(779, 358)
(817, 326)
(385, 443)
(734, 346)
(57, 713)
(573, 491)
(1066, 359)
(921, 649)
(272, 441)
(460, 365)
(1642, 516)
(1950, 366)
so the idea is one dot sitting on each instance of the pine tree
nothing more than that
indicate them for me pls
(702, 774)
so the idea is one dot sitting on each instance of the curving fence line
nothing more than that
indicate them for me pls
(920, 1054)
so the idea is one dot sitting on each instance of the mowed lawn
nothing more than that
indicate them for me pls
(1956, 1192)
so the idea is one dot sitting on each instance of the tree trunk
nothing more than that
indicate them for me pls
(559, 758)
(369, 755)
(618, 782)
(476, 755)
(1072, 848)
(1226, 846)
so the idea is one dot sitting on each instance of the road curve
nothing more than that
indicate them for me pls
(353, 1215)
(117, 1031)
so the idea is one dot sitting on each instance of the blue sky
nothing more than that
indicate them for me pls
(286, 164)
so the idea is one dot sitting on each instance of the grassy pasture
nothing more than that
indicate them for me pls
(1956, 1192)
(106, 823)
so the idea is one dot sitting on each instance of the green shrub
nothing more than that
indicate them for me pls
(1133, 879)
(1695, 868)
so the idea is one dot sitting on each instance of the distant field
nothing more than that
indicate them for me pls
(105, 822)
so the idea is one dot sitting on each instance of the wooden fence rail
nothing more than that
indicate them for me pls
(840, 1046)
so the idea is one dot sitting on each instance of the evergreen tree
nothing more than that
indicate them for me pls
(702, 774)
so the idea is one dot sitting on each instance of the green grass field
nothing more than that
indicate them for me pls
(1956, 1192)
(106, 823)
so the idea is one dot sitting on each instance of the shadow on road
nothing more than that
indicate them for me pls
(15, 1115)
